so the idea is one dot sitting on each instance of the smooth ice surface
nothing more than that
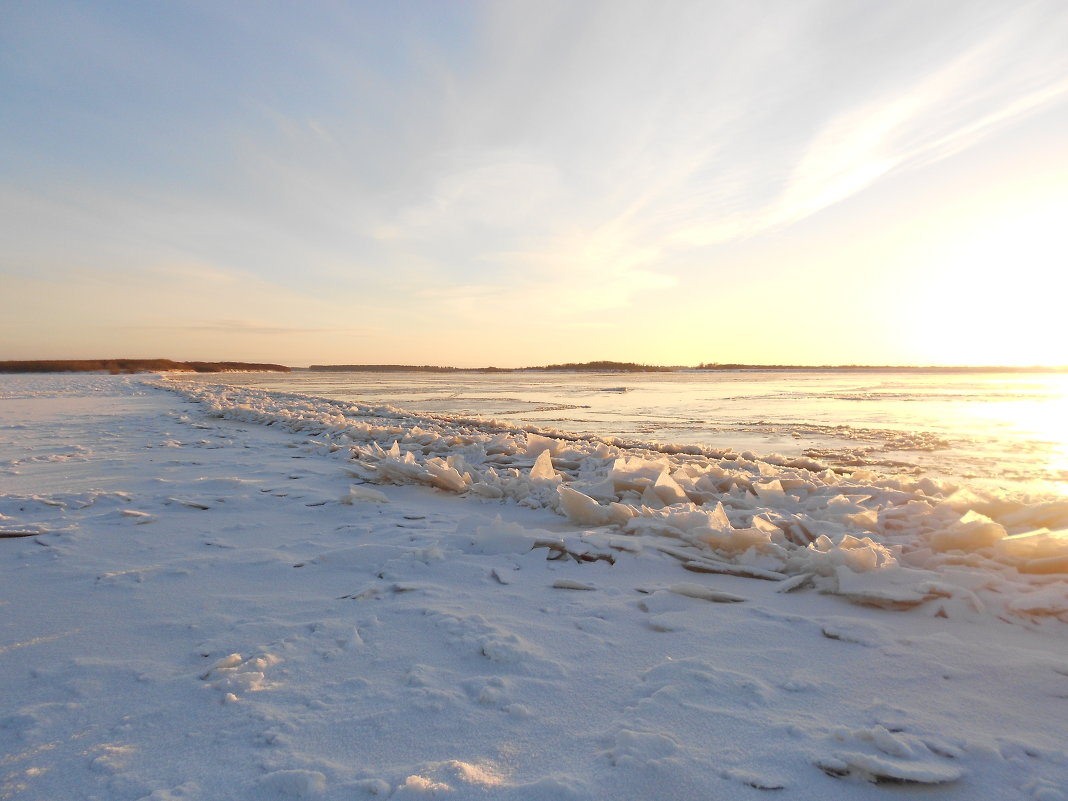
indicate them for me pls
(219, 593)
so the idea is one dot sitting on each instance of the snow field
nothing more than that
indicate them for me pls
(229, 613)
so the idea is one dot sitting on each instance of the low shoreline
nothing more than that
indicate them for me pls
(131, 366)
(934, 369)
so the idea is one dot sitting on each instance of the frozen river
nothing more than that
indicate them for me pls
(1002, 428)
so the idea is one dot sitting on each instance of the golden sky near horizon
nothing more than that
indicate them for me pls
(535, 182)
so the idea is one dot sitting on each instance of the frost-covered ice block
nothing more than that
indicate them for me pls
(536, 443)
(497, 536)
(1037, 551)
(358, 492)
(868, 520)
(1051, 600)
(447, 477)
(769, 492)
(1052, 515)
(635, 473)
(651, 500)
(738, 540)
(824, 556)
(898, 587)
(583, 510)
(571, 584)
(668, 490)
(971, 532)
(602, 490)
(704, 593)
(543, 471)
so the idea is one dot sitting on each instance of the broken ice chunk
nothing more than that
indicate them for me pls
(703, 593)
(358, 492)
(543, 471)
(971, 532)
(668, 489)
(1037, 551)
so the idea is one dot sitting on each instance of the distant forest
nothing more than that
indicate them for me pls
(617, 367)
(116, 366)
(632, 367)
(400, 368)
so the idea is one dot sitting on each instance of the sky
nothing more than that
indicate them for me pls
(521, 183)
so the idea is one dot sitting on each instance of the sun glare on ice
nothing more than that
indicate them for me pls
(1052, 422)
(1047, 422)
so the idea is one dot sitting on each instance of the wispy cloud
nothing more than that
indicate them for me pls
(932, 119)
(249, 327)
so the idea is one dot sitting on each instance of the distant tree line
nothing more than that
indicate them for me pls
(399, 368)
(620, 367)
(633, 367)
(603, 366)
(116, 366)
(887, 368)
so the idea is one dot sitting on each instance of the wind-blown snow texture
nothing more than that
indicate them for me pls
(218, 593)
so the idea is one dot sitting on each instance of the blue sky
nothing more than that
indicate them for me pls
(527, 182)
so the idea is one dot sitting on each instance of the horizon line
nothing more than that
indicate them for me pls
(589, 366)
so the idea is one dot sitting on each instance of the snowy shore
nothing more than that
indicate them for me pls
(216, 593)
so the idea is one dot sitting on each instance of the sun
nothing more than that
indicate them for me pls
(995, 296)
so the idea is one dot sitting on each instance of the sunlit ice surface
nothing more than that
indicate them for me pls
(998, 430)
(1034, 416)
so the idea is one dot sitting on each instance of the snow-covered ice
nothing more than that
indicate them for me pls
(220, 593)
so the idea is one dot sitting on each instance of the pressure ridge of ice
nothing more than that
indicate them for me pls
(878, 540)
